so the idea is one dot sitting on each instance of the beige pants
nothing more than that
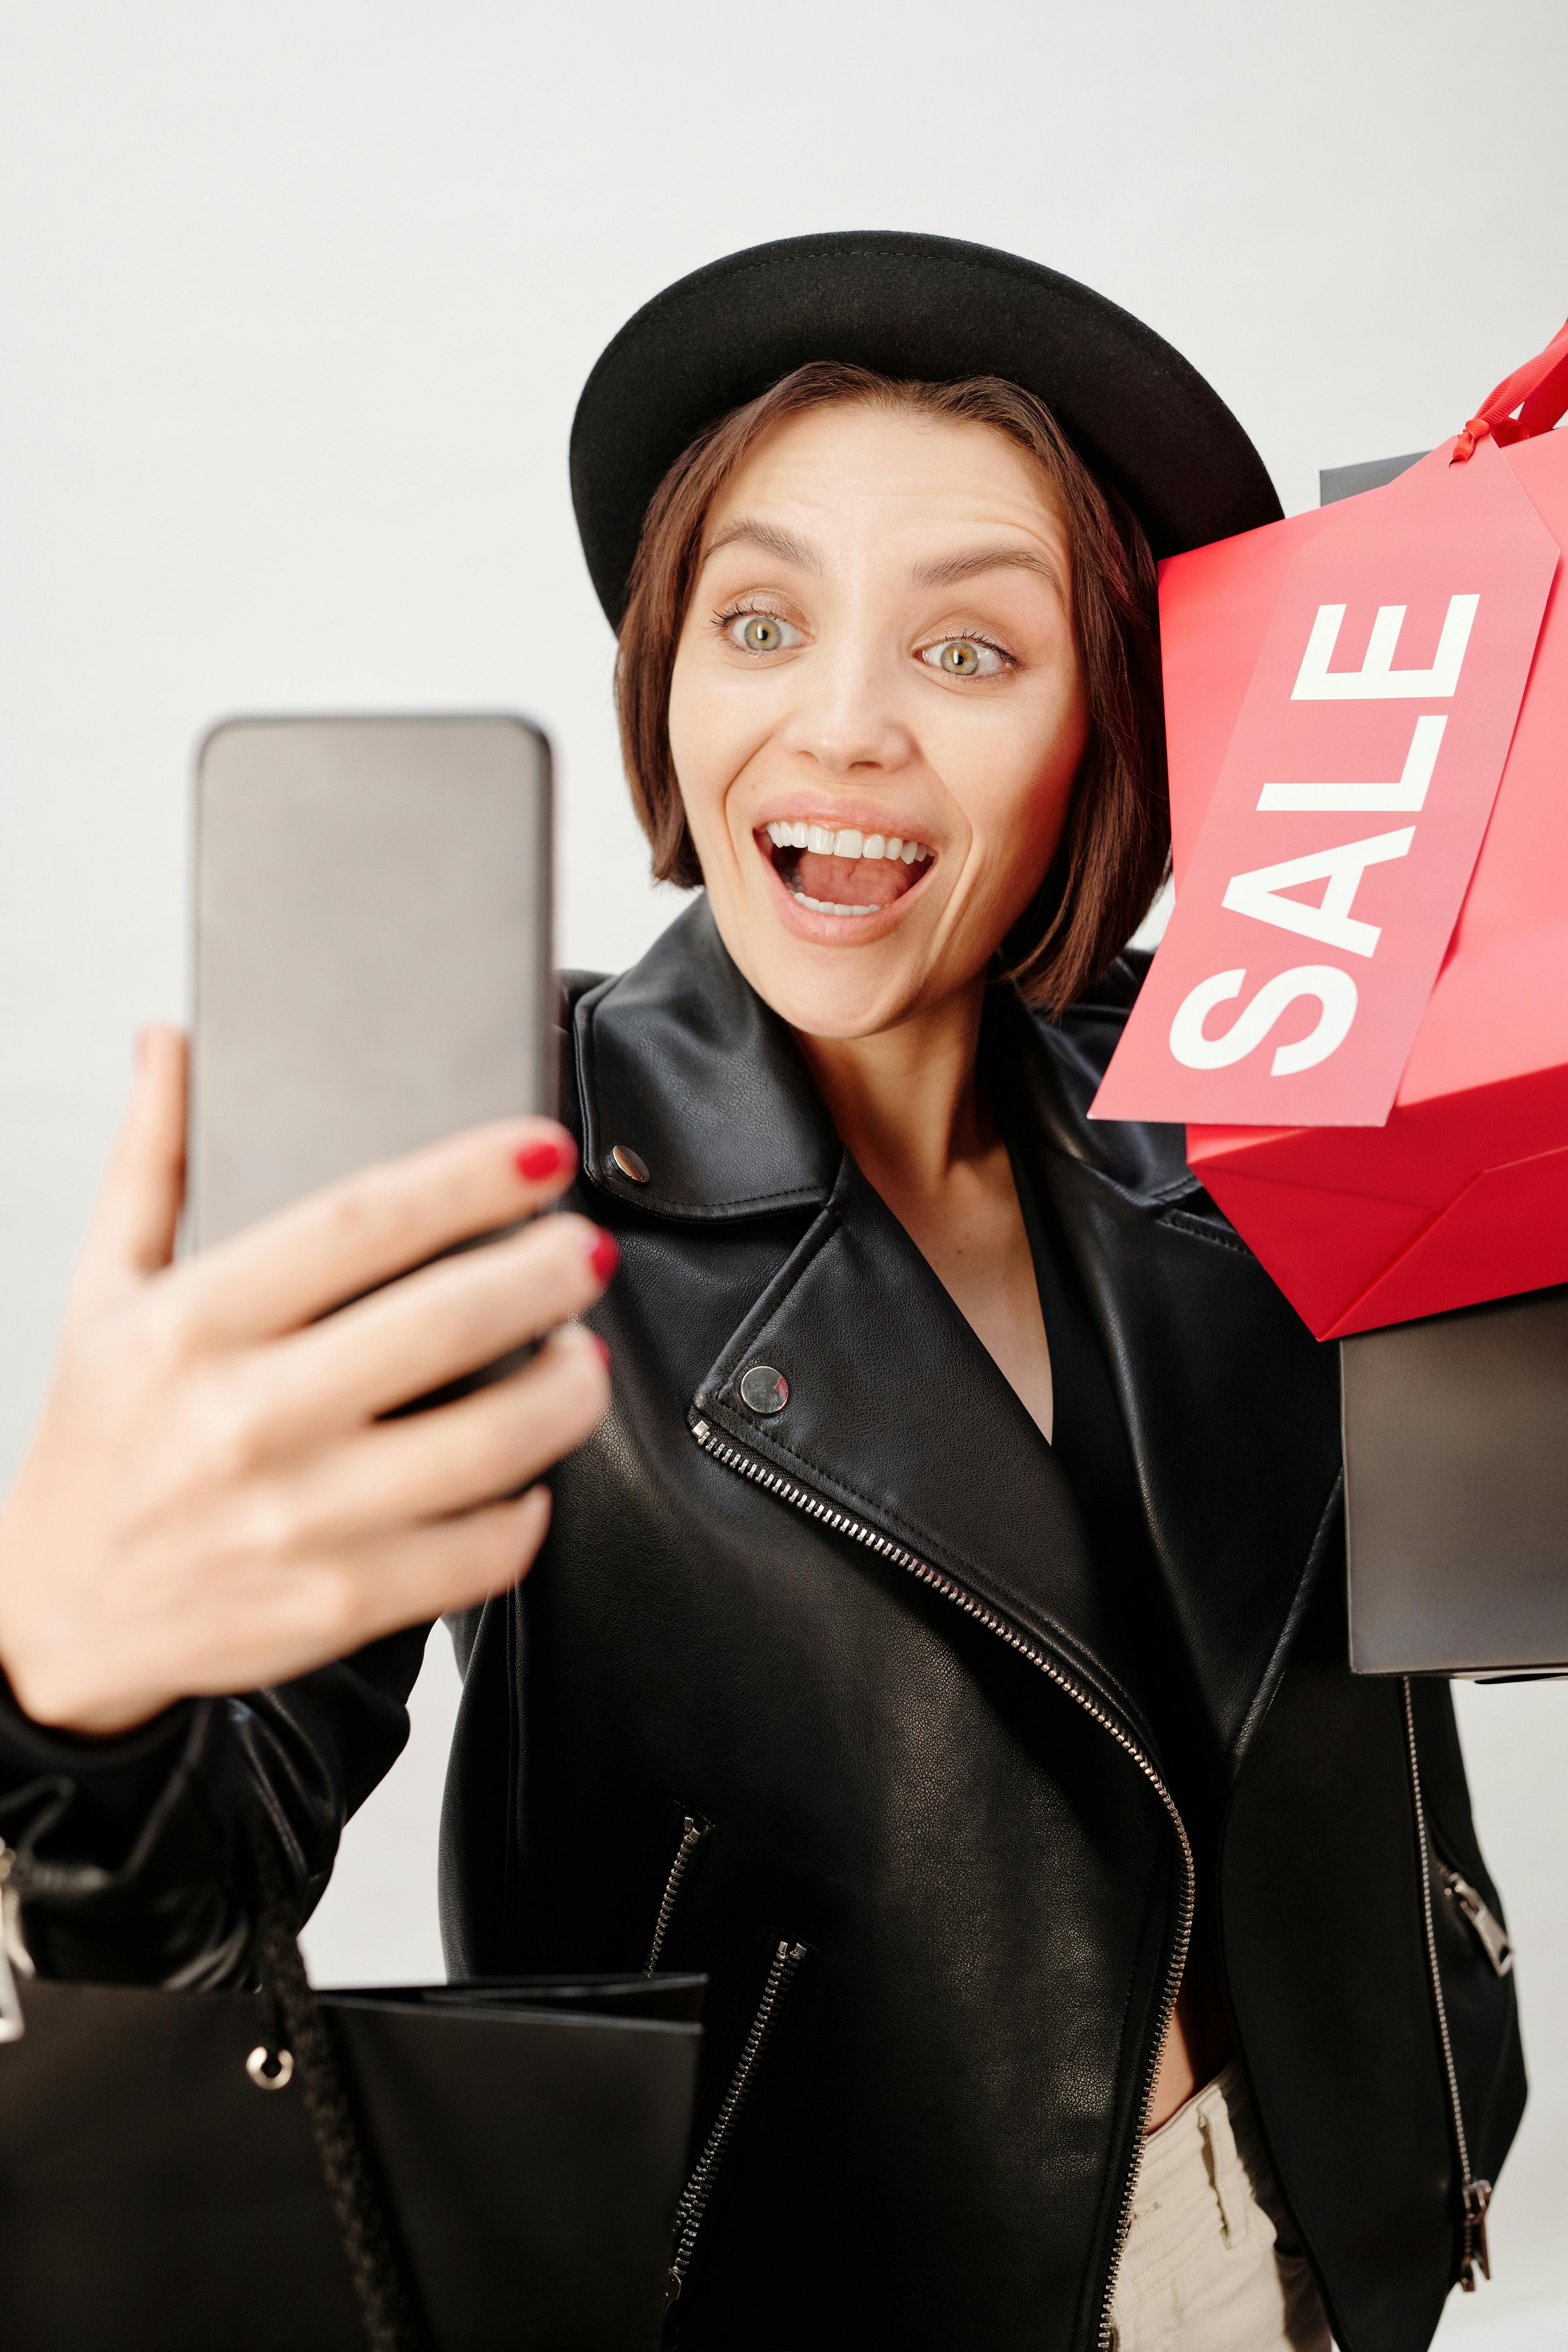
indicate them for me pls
(1211, 2264)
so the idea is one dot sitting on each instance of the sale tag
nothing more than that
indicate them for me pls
(1348, 815)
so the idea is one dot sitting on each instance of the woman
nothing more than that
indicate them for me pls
(942, 1643)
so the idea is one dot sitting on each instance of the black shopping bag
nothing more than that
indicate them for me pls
(1456, 1442)
(446, 2168)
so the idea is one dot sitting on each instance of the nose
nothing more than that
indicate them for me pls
(846, 717)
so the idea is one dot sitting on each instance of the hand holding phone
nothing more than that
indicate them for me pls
(212, 1502)
(215, 1499)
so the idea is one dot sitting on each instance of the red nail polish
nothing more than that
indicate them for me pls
(535, 1162)
(603, 1348)
(604, 1254)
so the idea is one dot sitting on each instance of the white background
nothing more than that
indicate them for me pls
(296, 302)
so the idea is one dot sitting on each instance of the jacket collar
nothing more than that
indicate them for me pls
(680, 1062)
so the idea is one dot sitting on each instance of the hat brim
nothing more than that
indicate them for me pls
(933, 309)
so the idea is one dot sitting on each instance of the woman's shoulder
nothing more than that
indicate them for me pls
(573, 986)
(1094, 1021)
(679, 1063)
(1067, 1059)
(1118, 985)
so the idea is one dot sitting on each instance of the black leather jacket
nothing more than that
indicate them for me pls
(833, 1701)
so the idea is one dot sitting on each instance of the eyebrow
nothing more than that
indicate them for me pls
(787, 545)
(942, 571)
(937, 572)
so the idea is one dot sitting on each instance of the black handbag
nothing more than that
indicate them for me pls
(419, 2168)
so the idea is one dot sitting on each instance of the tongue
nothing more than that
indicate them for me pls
(850, 881)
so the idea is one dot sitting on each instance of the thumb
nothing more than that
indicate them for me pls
(132, 1235)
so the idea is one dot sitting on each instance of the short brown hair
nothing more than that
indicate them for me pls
(1117, 837)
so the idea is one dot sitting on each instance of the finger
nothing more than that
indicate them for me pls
(455, 1564)
(430, 1327)
(329, 1608)
(290, 1267)
(436, 1463)
(133, 1230)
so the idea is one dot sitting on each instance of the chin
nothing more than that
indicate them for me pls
(829, 992)
(832, 1023)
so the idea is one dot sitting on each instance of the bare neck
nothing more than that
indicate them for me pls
(908, 1105)
(906, 1101)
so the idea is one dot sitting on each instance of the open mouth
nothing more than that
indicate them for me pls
(845, 873)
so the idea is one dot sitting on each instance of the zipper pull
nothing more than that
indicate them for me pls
(692, 1833)
(1477, 2196)
(15, 1958)
(1491, 1933)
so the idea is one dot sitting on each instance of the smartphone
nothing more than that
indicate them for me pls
(373, 956)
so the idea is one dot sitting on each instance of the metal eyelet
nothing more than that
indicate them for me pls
(261, 2058)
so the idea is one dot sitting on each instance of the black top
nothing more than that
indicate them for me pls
(1089, 1441)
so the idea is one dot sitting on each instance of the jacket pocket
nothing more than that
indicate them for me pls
(694, 1832)
(1471, 1905)
(783, 1968)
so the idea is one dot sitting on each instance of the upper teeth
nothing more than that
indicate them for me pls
(798, 834)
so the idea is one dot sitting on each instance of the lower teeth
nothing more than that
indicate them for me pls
(825, 907)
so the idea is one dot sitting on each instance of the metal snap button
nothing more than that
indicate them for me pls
(630, 1164)
(764, 1390)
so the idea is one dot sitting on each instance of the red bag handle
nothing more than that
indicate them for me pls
(1541, 384)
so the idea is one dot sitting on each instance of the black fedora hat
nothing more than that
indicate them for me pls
(930, 307)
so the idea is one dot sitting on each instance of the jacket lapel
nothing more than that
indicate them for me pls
(898, 1415)
(1230, 1407)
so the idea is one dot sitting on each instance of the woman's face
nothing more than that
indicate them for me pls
(875, 712)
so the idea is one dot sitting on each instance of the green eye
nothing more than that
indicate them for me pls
(964, 657)
(761, 633)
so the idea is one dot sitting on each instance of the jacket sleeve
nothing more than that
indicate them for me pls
(131, 1863)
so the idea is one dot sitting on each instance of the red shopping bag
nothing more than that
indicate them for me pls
(1361, 1004)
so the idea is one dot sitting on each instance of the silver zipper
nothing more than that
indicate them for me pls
(803, 1499)
(694, 2197)
(1476, 2194)
(691, 1834)
(15, 1958)
(1490, 1932)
